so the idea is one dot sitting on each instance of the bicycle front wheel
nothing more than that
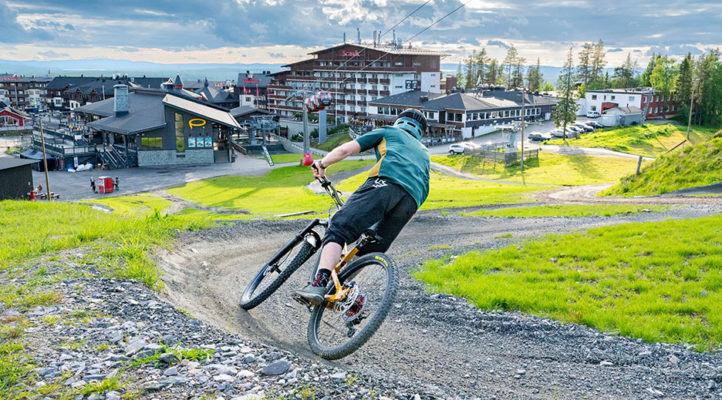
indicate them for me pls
(337, 330)
(273, 274)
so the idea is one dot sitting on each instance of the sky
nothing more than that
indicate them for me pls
(282, 31)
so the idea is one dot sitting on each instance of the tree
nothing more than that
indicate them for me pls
(598, 63)
(584, 69)
(664, 77)
(491, 75)
(582, 91)
(624, 74)
(565, 112)
(683, 86)
(480, 63)
(644, 79)
(517, 76)
(534, 77)
(459, 77)
(510, 62)
(469, 72)
(708, 96)
(548, 87)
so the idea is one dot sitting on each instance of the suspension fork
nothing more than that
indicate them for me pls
(300, 236)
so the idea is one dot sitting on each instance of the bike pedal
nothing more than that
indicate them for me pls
(301, 300)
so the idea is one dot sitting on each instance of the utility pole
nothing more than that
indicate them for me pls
(523, 95)
(691, 104)
(45, 160)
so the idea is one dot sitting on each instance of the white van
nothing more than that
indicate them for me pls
(593, 114)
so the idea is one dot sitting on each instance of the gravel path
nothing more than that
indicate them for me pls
(437, 343)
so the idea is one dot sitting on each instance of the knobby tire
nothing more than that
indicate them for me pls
(374, 321)
(249, 299)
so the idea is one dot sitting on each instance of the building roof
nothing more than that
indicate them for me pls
(15, 111)
(216, 95)
(639, 90)
(400, 50)
(87, 84)
(145, 113)
(242, 111)
(24, 79)
(251, 80)
(625, 110)
(12, 162)
(203, 110)
(463, 101)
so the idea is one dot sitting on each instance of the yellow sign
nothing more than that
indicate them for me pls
(196, 122)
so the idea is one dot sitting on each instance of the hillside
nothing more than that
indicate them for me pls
(648, 140)
(692, 166)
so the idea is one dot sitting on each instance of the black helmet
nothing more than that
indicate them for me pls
(417, 116)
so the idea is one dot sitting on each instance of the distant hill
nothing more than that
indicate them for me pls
(215, 72)
(692, 166)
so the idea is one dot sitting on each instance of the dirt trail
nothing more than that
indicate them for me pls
(432, 341)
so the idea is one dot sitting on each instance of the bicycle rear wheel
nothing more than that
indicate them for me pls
(338, 330)
(272, 275)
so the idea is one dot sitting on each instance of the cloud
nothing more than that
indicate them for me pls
(12, 32)
(681, 50)
(52, 54)
(615, 50)
(276, 55)
(498, 43)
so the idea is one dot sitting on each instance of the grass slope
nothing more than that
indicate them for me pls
(553, 169)
(120, 241)
(333, 141)
(574, 210)
(280, 191)
(659, 281)
(647, 140)
(693, 166)
(449, 192)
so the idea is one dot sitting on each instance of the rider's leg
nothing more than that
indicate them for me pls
(392, 224)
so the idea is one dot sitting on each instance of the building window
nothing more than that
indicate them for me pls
(613, 97)
(151, 143)
(180, 142)
(631, 98)
(594, 97)
(594, 108)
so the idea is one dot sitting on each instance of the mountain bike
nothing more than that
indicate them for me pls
(359, 294)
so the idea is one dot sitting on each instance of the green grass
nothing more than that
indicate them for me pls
(280, 191)
(439, 247)
(333, 141)
(182, 354)
(602, 210)
(449, 192)
(647, 140)
(549, 168)
(698, 165)
(287, 158)
(120, 242)
(658, 281)
(15, 367)
(137, 204)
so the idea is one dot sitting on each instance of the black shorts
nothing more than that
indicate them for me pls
(378, 204)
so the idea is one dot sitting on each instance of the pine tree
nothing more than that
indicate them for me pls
(584, 69)
(469, 71)
(644, 79)
(459, 77)
(492, 69)
(624, 74)
(683, 86)
(481, 60)
(547, 87)
(534, 77)
(708, 96)
(510, 62)
(565, 112)
(598, 64)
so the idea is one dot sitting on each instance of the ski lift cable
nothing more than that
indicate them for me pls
(344, 64)
(414, 36)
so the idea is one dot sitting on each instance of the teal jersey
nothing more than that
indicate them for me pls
(401, 158)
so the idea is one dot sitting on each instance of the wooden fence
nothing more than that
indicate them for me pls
(507, 159)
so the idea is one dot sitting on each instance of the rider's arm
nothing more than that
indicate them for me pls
(339, 153)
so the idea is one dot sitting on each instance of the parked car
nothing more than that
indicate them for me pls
(594, 124)
(573, 129)
(593, 114)
(539, 137)
(462, 148)
(584, 127)
(557, 133)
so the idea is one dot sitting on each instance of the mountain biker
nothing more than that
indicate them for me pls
(397, 186)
